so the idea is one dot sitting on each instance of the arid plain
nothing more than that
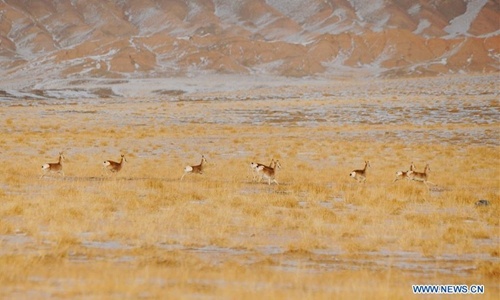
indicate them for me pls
(143, 233)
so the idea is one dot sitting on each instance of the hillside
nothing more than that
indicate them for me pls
(51, 39)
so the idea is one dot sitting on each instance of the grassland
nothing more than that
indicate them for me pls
(318, 235)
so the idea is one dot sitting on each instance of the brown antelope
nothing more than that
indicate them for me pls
(405, 175)
(255, 166)
(54, 167)
(360, 175)
(113, 166)
(421, 176)
(269, 173)
(195, 169)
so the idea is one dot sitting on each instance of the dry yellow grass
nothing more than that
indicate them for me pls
(318, 235)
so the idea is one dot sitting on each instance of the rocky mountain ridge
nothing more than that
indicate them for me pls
(75, 39)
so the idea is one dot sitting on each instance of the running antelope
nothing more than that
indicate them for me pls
(405, 174)
(360, 175)
(255, 166)
(269, 173)
(422, 176)
(113, 166)
(195, 169)
(54, 167)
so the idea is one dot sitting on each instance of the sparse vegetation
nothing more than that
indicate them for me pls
(318, 235)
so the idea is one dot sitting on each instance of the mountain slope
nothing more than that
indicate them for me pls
(152, 38)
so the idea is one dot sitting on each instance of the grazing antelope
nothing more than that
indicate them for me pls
(269, 173)
(54, 167)
(255, 166)
(405, 175)
(195, 169)
(421, 176)
(113, 166)
(360, 175)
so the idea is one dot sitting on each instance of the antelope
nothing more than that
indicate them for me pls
(54, 167)
(195, 169)
(269, 173)
(255, 166)
(405, 175)
(421, 176)
(113, 166)
(360, 175)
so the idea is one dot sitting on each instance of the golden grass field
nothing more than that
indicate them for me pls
(318, 235)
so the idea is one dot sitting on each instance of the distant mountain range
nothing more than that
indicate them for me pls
(168, 38)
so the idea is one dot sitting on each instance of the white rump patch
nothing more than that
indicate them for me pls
(353, 174)
(45, 167)
(188, 169)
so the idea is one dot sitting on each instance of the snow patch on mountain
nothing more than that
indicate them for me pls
(414, 10)
(228, 11)
(423, 24)
(194, 9)
(298, 10)
(461, 24)
(365, 8)
(143, 18)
